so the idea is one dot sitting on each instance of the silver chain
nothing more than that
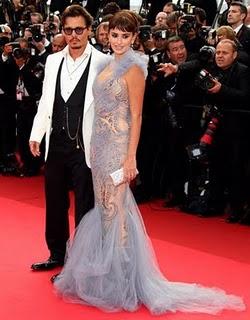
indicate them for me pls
(76, 136)
(70, 73)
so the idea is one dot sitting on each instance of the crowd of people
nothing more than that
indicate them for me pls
(193, 149)
(112, 96)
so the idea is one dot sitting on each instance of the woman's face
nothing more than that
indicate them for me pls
(221, 36)
(120, 41)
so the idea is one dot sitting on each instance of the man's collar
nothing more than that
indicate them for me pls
(87, 51)
(237, 29)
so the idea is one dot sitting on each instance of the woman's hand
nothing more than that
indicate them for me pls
(129, 168)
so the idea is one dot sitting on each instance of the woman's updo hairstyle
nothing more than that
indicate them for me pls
(124, 20)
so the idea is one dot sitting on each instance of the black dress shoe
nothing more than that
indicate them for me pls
(47, 265)
(54, 277)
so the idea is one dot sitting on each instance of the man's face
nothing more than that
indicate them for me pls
(35, 19)
(177, 52)
(225, 55)
(168, 9)
(7, 49)
(161, 18)
(76, 41)
(102, 36)
(235, 17)
(27, 34)
(7, 32)
(58, 43)
(160, 44)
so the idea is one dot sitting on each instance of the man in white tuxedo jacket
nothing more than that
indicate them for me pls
(65, 116)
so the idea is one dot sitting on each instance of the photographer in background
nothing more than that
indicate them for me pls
(8, 162)
(58, 43)
(178, 89)
(39, 44)
(52, 26)
(173, 150)
(30, 75)
(230, 153)
(188, 29)
(161, 18)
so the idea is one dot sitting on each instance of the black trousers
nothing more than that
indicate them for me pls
(65, 170)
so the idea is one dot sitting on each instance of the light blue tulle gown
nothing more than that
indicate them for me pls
(110, 262)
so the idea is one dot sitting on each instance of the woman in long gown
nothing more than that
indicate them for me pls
(110, 262)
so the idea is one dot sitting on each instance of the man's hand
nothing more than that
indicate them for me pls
(216, 88)
(35, 148)
(168, 68)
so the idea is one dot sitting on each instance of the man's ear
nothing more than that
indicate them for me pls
(235, 55)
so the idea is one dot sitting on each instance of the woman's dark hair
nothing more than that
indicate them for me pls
(76, 10)
(124, 20)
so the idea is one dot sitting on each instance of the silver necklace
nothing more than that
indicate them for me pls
(77, 67)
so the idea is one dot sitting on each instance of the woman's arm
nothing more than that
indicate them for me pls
(136, 86)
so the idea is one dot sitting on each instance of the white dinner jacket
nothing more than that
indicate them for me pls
(43, 119)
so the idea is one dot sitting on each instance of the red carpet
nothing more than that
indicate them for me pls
(189, 248)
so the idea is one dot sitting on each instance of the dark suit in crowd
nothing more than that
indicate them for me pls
(26, 111)
(244, 38)
(8, 78)
(230, 153)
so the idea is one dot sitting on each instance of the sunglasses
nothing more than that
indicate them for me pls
(78, 30)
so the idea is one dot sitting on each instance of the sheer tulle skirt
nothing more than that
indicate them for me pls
(116, 271)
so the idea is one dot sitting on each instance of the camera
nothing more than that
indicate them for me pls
(154, 60)
(161, 34)
(50, 25)
(188, 24)
(207, 32)
(199, 150)
(204, 80)
(144, 33)
(19, 52)
(206, 54)
(37, 31)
